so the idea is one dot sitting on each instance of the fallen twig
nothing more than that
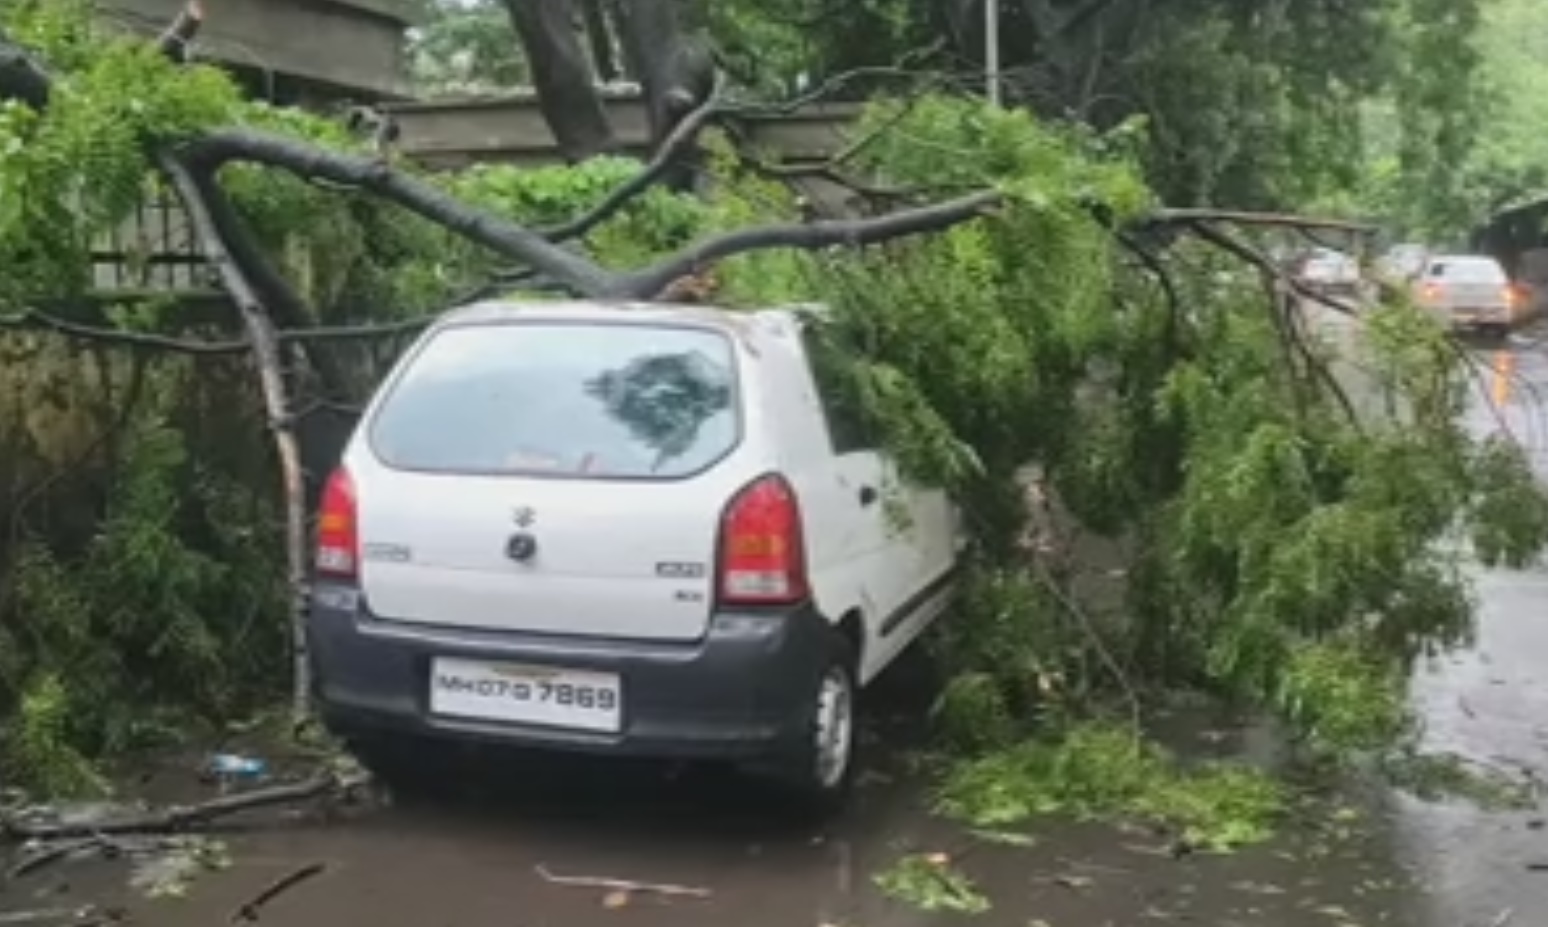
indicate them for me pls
(50, 855)
(56, 915)
(622, 885)
(1268, 219)
(182, 817)
(249, 910)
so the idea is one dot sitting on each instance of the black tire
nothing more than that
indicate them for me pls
(807, 775)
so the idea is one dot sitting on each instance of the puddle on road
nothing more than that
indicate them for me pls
(473, 858)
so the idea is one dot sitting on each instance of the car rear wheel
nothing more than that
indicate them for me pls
(821, 768)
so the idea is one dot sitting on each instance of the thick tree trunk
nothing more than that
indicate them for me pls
(562, 75)
(600, 35)
(670, 55)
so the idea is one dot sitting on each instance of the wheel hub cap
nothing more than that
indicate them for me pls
(835, 728)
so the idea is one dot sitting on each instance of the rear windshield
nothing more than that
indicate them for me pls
(571, 400)
(1468, 270)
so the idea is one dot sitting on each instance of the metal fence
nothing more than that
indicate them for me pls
(154, 249)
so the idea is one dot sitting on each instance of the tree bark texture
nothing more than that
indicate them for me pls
(563, 76)
(670, 54)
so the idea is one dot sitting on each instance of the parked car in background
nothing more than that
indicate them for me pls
(1467, 293)
(644, 530)
(1328, 271)
(1402, 262)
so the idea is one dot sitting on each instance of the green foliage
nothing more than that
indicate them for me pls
(1279, 551)
(1343, 700)
(931, 884)
(1283, 552)
(38, 746)
(1101, 771)
(649, 226)
(1441, 776)
(462, 47)
(170, 613)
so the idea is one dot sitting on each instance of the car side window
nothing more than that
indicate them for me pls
(847, 426)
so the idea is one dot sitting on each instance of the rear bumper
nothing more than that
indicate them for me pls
(1480, 319)
(741, 692)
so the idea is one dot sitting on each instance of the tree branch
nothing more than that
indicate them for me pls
(649, 282)
(185, 817)
(35, 320)
(177, 39)
(208, 211)
(672, 148)
(211, 151)
(21, 77)
(1262, 261)
(1271, 270)
(1236, 217)
(837, 82)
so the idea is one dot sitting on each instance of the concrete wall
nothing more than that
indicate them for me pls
(456, 133)
(348, 47)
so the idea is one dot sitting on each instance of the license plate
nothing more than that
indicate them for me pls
(542, 695)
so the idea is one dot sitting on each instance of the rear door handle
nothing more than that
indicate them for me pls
(868, 495)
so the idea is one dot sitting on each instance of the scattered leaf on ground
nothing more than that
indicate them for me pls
(921, 881)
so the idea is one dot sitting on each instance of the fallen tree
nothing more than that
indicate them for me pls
(1027, 304)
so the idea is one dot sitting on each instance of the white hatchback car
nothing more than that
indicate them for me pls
(1467, 293)
(632, 529)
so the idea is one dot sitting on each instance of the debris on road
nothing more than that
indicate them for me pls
(249, 911)
(231, 766)
(47, 824)
(622, 885)
(44, 854)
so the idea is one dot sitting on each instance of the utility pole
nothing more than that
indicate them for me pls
(992, 50)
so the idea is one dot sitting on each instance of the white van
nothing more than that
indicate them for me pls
(633, 529)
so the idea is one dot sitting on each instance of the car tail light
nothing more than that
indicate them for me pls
(762, 550)
(338, 540)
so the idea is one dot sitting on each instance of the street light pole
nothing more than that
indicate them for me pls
(992, 50)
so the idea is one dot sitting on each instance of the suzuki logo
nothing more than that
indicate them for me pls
(523, 516)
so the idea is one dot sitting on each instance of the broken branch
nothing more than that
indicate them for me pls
(33, 319)
(622, 885)
(1262, 261)
(1238, 217)
(651, 281)
(1271, 270)
(672, 148)
(37, 320)
(223, 146)
(249, 910)
(182, 817)
(21, 77)
(50, 855)
(209, 211)
(176, 40)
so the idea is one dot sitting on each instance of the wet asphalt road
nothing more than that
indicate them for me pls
(477, 856)
(1490, 703)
